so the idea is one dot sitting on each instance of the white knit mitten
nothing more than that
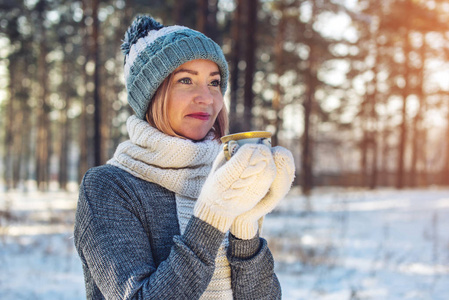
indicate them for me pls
(246, 225)
(234, 187)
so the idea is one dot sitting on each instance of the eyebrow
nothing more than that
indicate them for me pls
(194, 72)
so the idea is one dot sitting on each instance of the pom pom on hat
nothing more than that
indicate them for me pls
(153, 51)
(138, 29)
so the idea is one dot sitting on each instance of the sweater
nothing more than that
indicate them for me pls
(128, 238)
(181, 166)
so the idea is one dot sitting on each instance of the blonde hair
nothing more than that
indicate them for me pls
(157, 113)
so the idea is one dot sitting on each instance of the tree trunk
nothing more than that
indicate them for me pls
(63, 151)
(43, 129)
(400, 181)
(307, 174)
(374, 145)
(385, 162)
(98, 142)
(64, 132)
(445, 172)
(423, 157)
(250, 58)
(374, 118)
(415, 149)
(11, 159)
(17, 141)
(26, 138)
(310, 83)
(9, 134)
(178, 9)
(84, 120)
(203, 12)
(235, 58)
(364, 141)
(207, 18)
(278, 54)
(212, 28)
(418, 131)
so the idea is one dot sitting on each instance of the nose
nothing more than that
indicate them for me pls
(203, 95)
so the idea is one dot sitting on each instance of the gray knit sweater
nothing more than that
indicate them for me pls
(128, 239)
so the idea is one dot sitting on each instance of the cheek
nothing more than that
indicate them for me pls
(173, 109)
(218, 103)
(175, 102)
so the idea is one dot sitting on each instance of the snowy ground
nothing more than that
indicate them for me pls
(336, 244)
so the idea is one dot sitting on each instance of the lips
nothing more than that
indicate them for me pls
(200, 116)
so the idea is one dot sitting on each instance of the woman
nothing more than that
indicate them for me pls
(166, 217)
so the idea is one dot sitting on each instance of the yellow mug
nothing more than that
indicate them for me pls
(231, 142)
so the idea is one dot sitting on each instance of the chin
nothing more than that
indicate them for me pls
(195, 135)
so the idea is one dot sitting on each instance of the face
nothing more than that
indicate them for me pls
(194, 99)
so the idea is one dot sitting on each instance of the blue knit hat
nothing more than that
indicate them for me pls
(153, 51)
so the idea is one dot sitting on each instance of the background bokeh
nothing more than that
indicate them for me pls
(358, 90)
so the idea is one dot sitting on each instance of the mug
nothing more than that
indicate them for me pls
(231, 142)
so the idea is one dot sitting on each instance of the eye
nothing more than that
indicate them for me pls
(216, 82)
(185, 80)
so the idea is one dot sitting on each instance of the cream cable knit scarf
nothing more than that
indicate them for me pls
(180, 166)
(177, 164)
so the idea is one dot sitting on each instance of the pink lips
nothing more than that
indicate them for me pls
(200, 116)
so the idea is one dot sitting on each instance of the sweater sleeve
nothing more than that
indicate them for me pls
(252, 269)
(115, 249)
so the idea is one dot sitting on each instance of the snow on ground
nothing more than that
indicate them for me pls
(335, 244)
(383, 244)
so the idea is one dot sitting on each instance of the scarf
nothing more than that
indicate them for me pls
(181, 166)
(177, 164)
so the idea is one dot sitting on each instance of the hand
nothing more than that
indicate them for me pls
(234, 187)
(246, 225)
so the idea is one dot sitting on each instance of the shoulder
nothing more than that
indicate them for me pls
(106, 173)
(108, 176)
(110, 180)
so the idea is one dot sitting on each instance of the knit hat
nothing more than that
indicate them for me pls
(153, 51)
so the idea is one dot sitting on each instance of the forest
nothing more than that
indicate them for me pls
(358, 90)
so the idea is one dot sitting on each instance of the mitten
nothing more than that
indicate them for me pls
(233, 187)
(246, 225)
